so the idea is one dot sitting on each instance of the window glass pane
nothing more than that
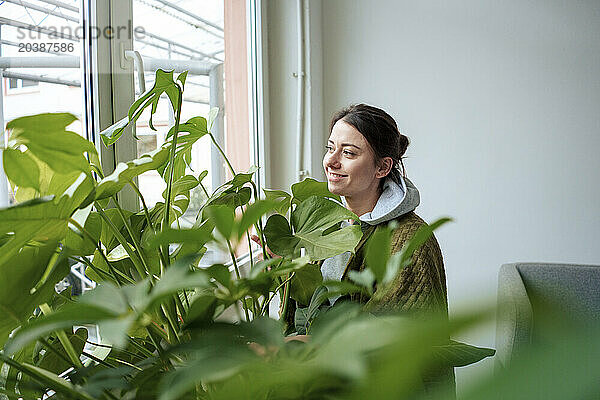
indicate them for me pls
(194, 32)
(37, 32)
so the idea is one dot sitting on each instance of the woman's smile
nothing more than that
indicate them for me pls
(334, 177)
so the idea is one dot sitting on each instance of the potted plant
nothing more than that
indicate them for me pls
(159, 314)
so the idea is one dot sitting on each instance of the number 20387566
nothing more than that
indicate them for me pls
(46, 47)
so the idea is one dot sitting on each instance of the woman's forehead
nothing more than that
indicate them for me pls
(343, 132)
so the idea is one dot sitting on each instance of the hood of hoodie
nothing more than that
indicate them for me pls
(395, 201)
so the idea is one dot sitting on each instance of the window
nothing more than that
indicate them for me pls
(195, 38)
(49, 65)
(39, 49)
(209, 39)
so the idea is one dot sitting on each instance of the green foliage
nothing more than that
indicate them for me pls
(163, 83)
(309, 187)
(161, 315)
(305, 282)
(46, 137)
(310, 222)
(125, 172)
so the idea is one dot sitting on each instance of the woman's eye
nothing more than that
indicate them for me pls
(348, 153)
(329, 148)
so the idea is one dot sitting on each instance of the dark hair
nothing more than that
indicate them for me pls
(380, 130)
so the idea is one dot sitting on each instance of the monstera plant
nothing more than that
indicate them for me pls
(159, 311)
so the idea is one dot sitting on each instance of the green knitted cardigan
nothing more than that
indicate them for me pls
(420, 287)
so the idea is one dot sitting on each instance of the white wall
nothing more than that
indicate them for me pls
(282, 38)
(501, 101)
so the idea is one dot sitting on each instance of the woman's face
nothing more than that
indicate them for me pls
(349, 163)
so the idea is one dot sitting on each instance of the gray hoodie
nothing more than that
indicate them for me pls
(395, 200)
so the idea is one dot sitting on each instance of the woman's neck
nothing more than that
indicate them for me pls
(362, 204)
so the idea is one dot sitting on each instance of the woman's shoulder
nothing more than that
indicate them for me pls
(407, 224)
(406, 227)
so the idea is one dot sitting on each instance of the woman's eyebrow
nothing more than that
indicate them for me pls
(345, 144)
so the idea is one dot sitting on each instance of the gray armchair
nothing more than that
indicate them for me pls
(535, 299)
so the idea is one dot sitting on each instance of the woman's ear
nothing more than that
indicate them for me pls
(384, 167)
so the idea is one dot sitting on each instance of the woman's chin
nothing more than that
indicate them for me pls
(335, 189)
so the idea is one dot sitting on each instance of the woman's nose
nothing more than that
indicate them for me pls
(332, 160)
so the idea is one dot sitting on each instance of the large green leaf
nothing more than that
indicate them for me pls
(282, 198)
(180, 195)
(114, 309)
(125, 172)
(189, 133)
(279, 236)
(311, 187)
(45, 135)
(21, 168)
(163, 83)
(41, 220)
(378, 252)
(53, 183)
(20, 274)
(29, 234)
(223, 218)
(192, 240)
(99, 305)
(304, 283)
(252, 214)
(311, 221)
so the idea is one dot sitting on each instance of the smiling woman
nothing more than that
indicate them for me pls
(363, 164)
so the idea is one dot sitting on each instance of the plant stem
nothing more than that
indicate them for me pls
(159, 349)
(44, 379)
(254, 301)
(144, 206)
(51, 348)
(223, 154)
(99, 361)
(134, 259)
(161, 255)
(266, 303)
(171, 323)
(136, 243)
(115, 272)
(237, 273)
(205, 191)
(64, 340)
(112, 270)
(258, 226)
(126, 363)
(286, 296)
(141, 348)
(185, 296)
(171, 165)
